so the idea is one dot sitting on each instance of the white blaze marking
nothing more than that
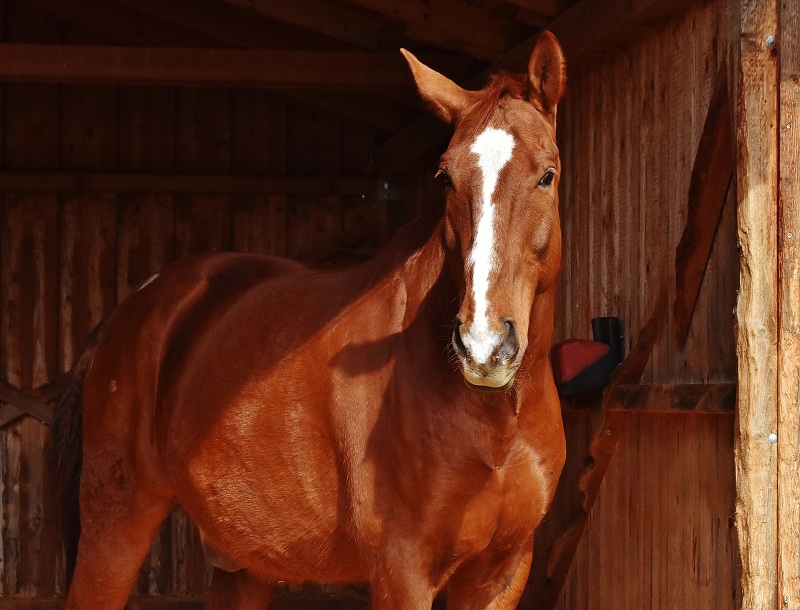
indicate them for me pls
(493, 148)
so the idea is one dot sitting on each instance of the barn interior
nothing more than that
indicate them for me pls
(137, 132)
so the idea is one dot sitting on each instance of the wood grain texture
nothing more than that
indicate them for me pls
(757, 308)
(789, 309)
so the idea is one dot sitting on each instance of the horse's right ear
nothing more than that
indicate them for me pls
(447, 98)
(547, 73)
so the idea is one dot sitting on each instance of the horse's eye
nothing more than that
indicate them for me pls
(440, 173)
(547, 179)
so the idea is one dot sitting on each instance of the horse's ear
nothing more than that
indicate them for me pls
(547, 72)
(446, 97)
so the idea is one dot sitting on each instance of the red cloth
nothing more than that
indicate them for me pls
(573, 356)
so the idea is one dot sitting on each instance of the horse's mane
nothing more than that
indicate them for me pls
(501, 85)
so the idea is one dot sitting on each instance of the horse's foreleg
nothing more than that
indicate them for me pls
(399, 583)
(238, 591)
(477, 587)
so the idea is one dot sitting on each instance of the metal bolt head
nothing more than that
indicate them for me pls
(771, 42)
(772, 438)
(786, 599)
(789, 235)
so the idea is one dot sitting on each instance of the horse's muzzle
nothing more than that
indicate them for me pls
(495, 371)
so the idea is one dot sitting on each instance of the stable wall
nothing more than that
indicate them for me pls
(661, 532)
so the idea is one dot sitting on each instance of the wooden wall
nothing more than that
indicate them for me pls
(661, 534)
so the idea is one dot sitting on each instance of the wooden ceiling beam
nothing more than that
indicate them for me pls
(452, 25)
(230, 24)
(335, 21)
(208, 67)
(114, 24)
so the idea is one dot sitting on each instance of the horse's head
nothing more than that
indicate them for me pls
(501, 222)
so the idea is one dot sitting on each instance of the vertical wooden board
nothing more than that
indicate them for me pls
(259, 143)
(259, 146)
(147, 124)
(31, 122)
(144, 239)
(789, 309)
(757, 308)
(202, 224)
(88, 267)
(629, 232)
(203, 131)
(30, 346)
(89, 128)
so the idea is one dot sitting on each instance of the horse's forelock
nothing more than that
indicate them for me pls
(501, 85)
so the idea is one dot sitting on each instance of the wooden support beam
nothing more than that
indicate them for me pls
(789, 309)
(452, 24)
(183, 183)
(757, 308)
(211, 67)
(695, 398)
(708, 187)
(19, 403)
(607, 428)
(334, 20)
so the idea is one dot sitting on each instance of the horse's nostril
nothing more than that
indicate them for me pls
(510, 346)
(458, 341)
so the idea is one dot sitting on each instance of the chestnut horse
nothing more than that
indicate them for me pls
(395, 422)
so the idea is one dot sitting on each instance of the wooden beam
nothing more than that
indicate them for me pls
(23, 402)
(229, 24)
(115, 24)
(708, 187)
(453, 25)
(334, 20)
(789, 309)
(210, 67)
(184, 183)
(757, 308)
(695, 398)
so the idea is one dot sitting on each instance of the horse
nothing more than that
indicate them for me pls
(394, 422)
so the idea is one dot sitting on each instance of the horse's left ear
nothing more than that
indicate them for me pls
(447, 98)
(547, 72)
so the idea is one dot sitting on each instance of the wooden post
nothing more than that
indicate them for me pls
(789, 309)
(756, 453)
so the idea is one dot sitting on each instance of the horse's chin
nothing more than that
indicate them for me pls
(489, 383)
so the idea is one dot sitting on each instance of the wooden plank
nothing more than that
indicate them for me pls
(333, 20)
(147, 118)
(88, 268)
(225, 24)
(313, 186)
(757, 308)
(789, 309)
(209, 67)
(453, 25)
(695, 398)
(110, 23)
(708, 186)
